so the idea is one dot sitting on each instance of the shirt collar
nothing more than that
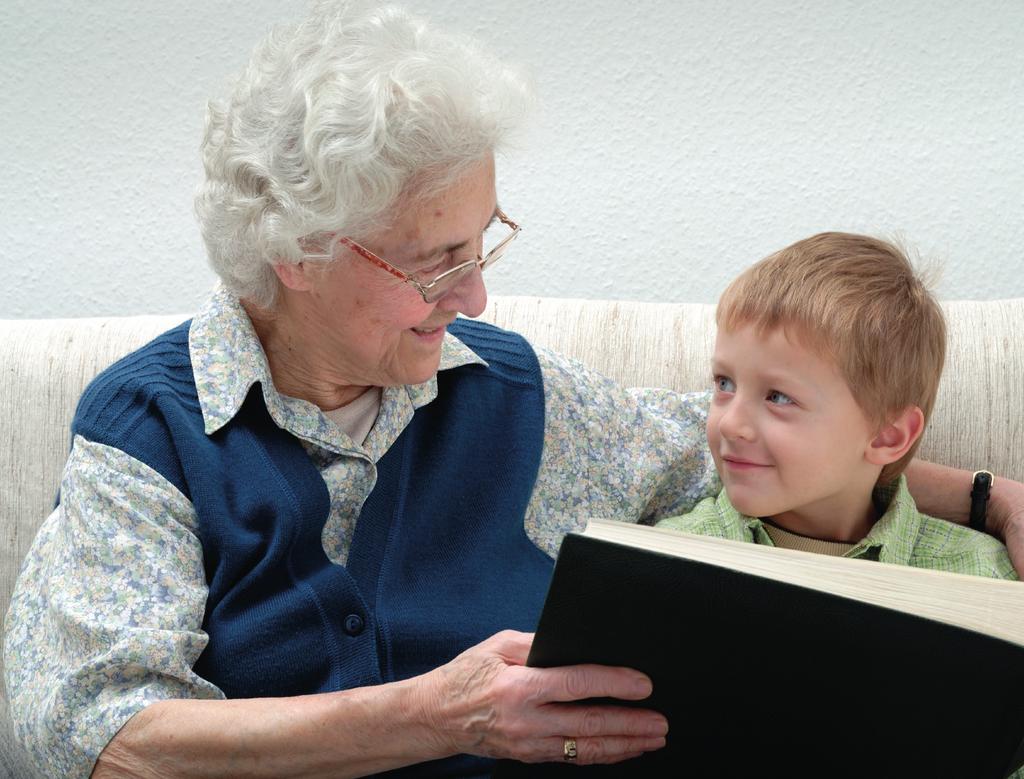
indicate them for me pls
(890, 540)
(895, 533)
(228, 358)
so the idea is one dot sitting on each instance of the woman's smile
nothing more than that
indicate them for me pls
(430, 335)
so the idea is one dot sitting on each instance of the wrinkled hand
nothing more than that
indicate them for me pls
(487, 702)
(1015, 545)
(1005, 519)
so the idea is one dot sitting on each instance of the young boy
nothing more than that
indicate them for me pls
(826, 367)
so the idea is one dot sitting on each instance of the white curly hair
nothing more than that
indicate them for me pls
(333, 122)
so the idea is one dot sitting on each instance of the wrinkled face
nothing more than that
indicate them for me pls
(786, 434)
(375, 330)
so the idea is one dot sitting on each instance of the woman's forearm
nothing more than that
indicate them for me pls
(941, 491)
(483, 702)
(340, 734)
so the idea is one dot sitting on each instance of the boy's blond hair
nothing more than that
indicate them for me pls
(858, 302)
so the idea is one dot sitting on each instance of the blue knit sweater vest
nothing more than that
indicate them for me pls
(439, 559)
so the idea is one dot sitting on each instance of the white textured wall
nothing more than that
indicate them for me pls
(676, 141)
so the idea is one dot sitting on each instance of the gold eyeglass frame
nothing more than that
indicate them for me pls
(431, 292)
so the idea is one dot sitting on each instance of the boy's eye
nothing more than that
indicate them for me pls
(779, 398)
(724, 384)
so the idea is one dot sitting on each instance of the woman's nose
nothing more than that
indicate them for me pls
(468, 297)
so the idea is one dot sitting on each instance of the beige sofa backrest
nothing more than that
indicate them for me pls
(44, 365)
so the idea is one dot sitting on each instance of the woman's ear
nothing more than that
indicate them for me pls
(294, 276)
(896, 437)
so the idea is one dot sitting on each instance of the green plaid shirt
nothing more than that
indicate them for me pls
(903, 535)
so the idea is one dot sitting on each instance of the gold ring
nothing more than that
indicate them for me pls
(569, 749)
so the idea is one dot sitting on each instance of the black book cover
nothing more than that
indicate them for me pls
(764, 678)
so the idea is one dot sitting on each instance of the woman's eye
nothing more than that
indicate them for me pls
(724, 384)
(779, 398)
(429, 272)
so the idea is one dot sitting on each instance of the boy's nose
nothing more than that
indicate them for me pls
(735, 423)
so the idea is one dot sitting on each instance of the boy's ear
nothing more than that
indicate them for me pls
(294, 276)
(896, 437)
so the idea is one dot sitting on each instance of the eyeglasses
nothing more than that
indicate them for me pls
(436, 288)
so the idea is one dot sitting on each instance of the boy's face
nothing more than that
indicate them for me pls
(786, 434)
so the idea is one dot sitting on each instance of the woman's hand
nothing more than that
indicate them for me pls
(487, 702)
(1005, 519)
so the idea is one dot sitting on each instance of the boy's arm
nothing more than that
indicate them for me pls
(941, 491)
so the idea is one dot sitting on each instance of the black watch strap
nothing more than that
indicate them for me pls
(980, 490)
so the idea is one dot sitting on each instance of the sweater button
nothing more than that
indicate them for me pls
(353, 624)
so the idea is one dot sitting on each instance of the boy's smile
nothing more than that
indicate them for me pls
(788, 437)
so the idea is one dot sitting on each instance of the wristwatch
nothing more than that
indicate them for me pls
(980, 490)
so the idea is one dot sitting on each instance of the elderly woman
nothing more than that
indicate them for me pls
(294, 533)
